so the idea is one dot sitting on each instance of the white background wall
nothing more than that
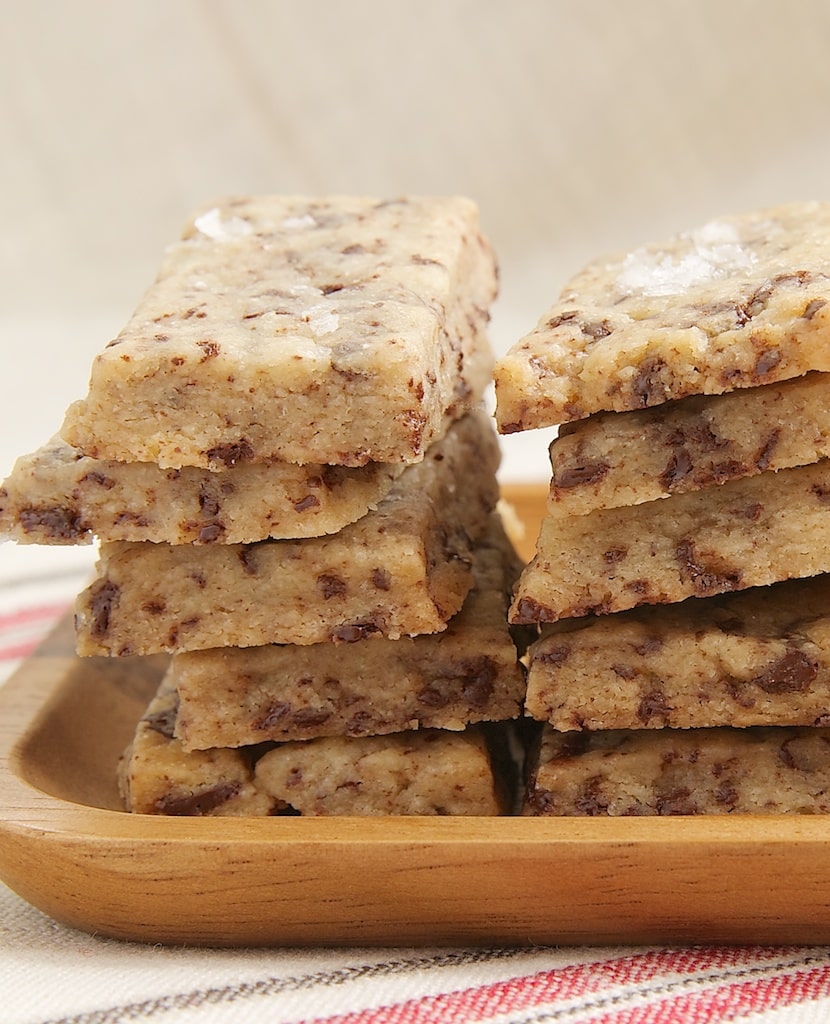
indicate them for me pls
(578, 125)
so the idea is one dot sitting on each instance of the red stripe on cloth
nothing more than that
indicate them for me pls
(10, 620)
(23, 630)
(524, 994)
(726, 1002)
(16, 651)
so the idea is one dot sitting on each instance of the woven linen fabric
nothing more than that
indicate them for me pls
(50, 974)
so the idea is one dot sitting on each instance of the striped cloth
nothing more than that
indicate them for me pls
(54, 975)
(37, 585)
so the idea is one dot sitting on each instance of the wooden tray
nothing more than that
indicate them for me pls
(67, 848)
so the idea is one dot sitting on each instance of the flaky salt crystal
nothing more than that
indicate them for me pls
(715, 252)
(322, 320)
(212, 225)
(293, 223)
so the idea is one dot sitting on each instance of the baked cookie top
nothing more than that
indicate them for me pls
(740, 301)
(335, 330)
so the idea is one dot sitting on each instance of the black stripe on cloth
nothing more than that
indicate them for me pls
(234, 993)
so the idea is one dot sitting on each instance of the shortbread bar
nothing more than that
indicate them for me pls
(340, 330)
(741, 301)
(758, 657)
(771, 770)
(625, 458)
(749, 532)
(402, 569)
(427, 772)
(157, 776)
(56, 495)
(230, 696)
(421, 773)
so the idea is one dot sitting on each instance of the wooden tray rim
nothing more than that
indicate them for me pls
(706, 878)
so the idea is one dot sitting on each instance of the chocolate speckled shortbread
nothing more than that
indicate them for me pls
(403, 569)
(613, 459)
(333, 330)
(771, 770)
(741, 301)
(469, 673)
(759, 657)
(421, 773)
(157, 776)
(56, 495)
(428, 772)
(746, 533)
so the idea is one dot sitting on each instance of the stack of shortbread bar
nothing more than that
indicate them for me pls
(286, 462)
(680, 576)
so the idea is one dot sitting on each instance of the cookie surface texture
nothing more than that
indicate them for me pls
(741, 301)
(339, 330)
